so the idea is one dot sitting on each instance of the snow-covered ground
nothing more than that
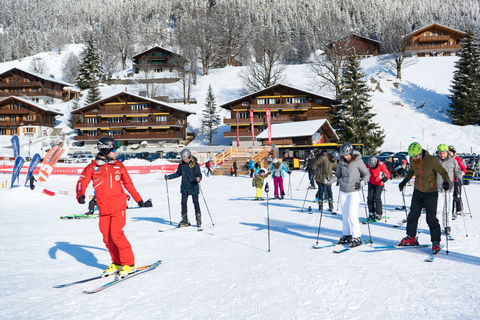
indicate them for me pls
(226, 271)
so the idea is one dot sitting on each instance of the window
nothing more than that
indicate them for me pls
(261, 114)
(2, 118)
(29, 130)
(92, 133)
(318, 101)
(244, 103)
(139, 119)
(159, 108)
(139, 106)
(115, 120)
(92, 120)
(3, 131)
(161, 118)
(13, 118)
(29, 117)
(297, 100)
(114, 132)
(243, 115)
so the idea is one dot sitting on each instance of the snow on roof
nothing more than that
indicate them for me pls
(40, 106)
(295, 129)
(41, 76)
(152, 49)
(432, 25)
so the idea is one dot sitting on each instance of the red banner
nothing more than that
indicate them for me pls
(238, 132)
(49, 162)
(269, 125)
(253, 127)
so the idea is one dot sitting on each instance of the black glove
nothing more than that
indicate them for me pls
(458, 183)
(466, 182)
(148, 203)
(402, 185)
(359, 185)
(267, 188)
(289, 172)
(166, 177)
(81, 199)
(384, 179)
(446, 185)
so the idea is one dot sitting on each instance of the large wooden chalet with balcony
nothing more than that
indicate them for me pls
(24, 117)
(286, 104)
(36, 87)
(364, 47)
(435, 40)
(157, 60)
(132, 119)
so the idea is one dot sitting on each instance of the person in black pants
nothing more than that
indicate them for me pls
(235, 167)
(191, 175)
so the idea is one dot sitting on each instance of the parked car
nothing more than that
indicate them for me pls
(402, 153)
(139, 155)
(72, 158)
(160, 154)
(171, 155)
(123, 156)
(152, 157)
(88, 158)
(386, 154)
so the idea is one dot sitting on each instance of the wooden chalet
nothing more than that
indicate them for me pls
(131, 119)
(435, 40)
(364, 47)
(156, 60)
(36, 87)
(286, 104)
(25, 117)
(300, 133)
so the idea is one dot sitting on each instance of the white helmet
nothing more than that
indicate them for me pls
(186, 154)
(275, 160)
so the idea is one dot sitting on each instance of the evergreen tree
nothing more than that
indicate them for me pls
(94, 93)
(211, 119)
(464, 107)
(90, 70)
(352, 117)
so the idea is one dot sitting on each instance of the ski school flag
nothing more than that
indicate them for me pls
(49, 162)
(16, 169)
(15, 146)
(238, 132)
(253, 127)
(269, 125)
(33, 164)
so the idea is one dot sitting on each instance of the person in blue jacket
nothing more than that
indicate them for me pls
(277, 168)
(252, 167)
(191, 175)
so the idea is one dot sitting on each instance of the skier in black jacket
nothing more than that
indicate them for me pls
(191, 175)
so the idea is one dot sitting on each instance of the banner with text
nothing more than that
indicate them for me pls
(238, 129)
(49, 162)
(33, 164)
(15, 146)
(269, 125)
(16, 169)
(253, 127)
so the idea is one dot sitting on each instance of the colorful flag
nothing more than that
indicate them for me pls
(15, 146)
(49, 162)
(253, 127)
(33, 164)
(269, 125)
(19, 161)
(238, 129)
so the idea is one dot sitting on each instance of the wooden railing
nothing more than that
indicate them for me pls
(126, 124)
(13, 111)
(255, 153)
(434, 47)
(134, 136)
(434, 38)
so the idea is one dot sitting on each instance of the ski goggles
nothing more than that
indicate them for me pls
(116, 145)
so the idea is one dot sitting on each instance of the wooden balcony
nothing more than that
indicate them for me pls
(44, 92)
(263, 121)
(124, 112)
(233, 134)
(128, 124)
(21, 84)
(434, 47)
(279, 106)
(141, 136)
(21, 123)
(14, 111)
(445, 37)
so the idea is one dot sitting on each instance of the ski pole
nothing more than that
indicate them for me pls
(446, 219)
(290, 186)
(385, 204)
(268, 216)
(319, 224)
(366, 216)
(306, 194)
(168, 200)
(405, 206)
(468, 204)
(206, 205)
(301, 180)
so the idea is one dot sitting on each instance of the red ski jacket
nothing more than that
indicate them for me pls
(460, 164)
(375, 177)
(107, 182)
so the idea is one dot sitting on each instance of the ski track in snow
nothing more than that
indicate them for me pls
(225, 272)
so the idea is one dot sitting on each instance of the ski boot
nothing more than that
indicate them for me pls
(276, 198)
(184, 222)
(316, 200)
(282, 197)
(113, 268)
(371, 216)
(199, 219)
(330, 205)
(126, 270)
(345, 239)
(408, 241)
(436, 247)
(356, 242)
(378, 217)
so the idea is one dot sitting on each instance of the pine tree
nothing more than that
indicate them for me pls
(352, 117)
(211, 119)
(464, 108)
(94, 93)
(90, 70)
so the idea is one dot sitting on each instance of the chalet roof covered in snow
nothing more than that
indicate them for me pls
(32, 103)
(297, 129)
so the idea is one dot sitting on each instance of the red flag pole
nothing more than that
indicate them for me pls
(253, 127)
(238, 132)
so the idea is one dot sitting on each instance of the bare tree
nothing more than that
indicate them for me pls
(38, 65)
(395, 44)
(70, 68)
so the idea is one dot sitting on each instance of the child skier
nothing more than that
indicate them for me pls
(378, 176)
(109, 176)
(257, 182)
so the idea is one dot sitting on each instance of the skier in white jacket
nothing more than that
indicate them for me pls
(352, 175)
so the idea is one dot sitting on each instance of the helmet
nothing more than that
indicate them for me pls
(414, 149)
(186, 154)
(372, 162)
(335, 155)
(345, 149)
(261, 172)
(275, 160)
(106, 145)
(452, 148)
(442, 147)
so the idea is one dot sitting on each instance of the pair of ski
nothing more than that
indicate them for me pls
(175, 228)
(338, 248)
(370, 220)
(117, 280)
(80, 216)
(430, 258)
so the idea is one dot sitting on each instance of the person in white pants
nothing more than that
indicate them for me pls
(352, 175)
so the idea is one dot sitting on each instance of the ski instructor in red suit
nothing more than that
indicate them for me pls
(109, 176)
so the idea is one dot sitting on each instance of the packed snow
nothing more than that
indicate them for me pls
(226, 271)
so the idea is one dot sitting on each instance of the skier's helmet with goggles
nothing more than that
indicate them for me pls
(372, 162)
(452, 148)
(186, 154)
(346, 149)
(335, 155)
(414, 149)
(106, 145)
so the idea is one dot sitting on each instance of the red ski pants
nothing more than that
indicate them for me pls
(111, 227)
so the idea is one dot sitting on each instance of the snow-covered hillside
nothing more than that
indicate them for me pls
(411, 109)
